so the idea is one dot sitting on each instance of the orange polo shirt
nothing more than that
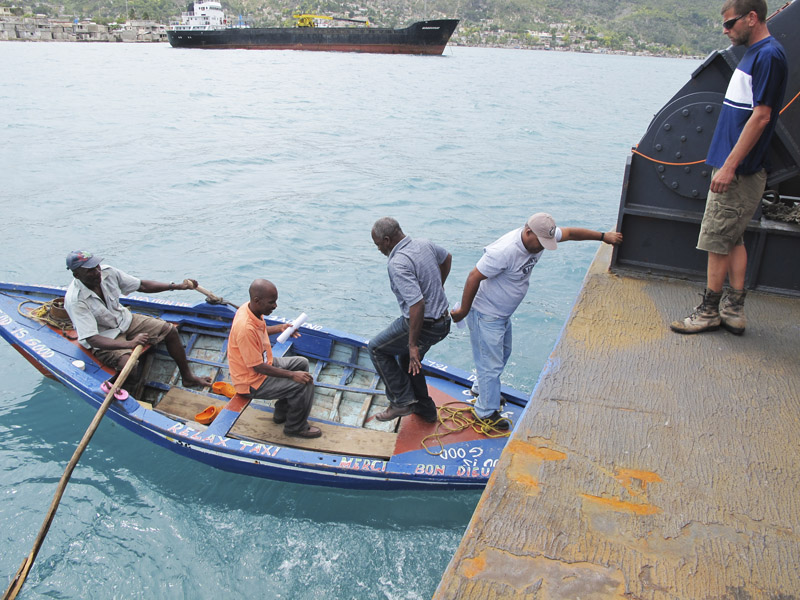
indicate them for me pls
(248, 346)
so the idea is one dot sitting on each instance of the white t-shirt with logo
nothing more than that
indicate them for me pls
(507, 264)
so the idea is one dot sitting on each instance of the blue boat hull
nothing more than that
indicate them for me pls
(464, 461)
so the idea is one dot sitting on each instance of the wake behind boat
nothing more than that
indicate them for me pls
(356, 450)
(205, 25)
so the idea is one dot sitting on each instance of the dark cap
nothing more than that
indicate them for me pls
(80, 259)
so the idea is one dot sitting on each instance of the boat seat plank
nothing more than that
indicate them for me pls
(182, 319)
(340, 363)
(256, 424)
(218, 333)
(308, 343)
(350, 388)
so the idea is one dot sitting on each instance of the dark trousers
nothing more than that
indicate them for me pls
(294, 399)
(389, 353)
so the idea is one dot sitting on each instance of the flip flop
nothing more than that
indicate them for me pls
(208, 415)
(223, 388)
(120, 394)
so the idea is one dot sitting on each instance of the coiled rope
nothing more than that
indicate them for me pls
(452, 419)
(44, 314)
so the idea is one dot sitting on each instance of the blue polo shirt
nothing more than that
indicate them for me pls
(759, 79)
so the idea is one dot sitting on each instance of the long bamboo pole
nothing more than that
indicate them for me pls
(22, 574)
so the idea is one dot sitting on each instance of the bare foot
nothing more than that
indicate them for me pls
(196, 382)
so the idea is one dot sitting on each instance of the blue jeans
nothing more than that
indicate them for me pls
(491, 348)
(389, 353)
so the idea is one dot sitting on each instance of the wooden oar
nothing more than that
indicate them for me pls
(212, 298)
(22, 574)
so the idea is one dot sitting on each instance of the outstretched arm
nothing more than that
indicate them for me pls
(468, 295)
(579, 234)
(153, 287)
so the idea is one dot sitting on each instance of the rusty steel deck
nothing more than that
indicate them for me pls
(648, 464)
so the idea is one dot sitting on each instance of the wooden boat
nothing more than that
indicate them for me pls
(356, 450)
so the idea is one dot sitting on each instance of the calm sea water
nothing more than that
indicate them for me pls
(231, 165)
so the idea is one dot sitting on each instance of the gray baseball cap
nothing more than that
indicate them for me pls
(80, 259)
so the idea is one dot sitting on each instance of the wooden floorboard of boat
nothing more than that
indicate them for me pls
(255, 424)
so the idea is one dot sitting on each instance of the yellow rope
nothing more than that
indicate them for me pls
(454, 419)
(42, 314)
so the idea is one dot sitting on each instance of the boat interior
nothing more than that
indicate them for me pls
(348, 392)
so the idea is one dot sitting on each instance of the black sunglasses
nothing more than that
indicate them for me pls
(731, 22)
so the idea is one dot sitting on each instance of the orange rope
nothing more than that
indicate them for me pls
(697, 162)
(661, 162)
(790, 103)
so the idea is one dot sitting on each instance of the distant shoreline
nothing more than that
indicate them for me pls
(45, 29)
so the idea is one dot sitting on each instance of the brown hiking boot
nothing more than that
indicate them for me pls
(731, 311)
(704, 318)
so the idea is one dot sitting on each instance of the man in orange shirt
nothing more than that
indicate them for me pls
(256, 374)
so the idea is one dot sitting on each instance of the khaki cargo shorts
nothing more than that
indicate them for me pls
(727, 214)
(155, 328)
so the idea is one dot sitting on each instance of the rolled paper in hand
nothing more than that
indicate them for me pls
(463, 322)
(295, 324)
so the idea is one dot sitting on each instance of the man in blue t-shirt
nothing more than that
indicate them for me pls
(738, 155)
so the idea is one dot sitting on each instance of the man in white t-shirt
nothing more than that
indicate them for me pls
(494, 290)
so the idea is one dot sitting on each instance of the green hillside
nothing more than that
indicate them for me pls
(662, 26)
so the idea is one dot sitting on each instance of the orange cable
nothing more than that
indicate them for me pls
(697, 162)
(661, 162)
(790, 103)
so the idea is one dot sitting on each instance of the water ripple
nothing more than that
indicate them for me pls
(226, 166)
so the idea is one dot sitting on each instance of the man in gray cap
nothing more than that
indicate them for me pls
(493, 291)
(109, 329)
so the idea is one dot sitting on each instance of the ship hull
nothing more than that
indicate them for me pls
(424, 37)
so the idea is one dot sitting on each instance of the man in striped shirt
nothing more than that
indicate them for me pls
(738, 155)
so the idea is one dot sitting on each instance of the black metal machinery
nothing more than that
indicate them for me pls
(666, 179)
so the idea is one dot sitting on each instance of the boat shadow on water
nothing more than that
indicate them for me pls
(125, 470)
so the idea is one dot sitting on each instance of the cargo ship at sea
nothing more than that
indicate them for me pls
(205, 25)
